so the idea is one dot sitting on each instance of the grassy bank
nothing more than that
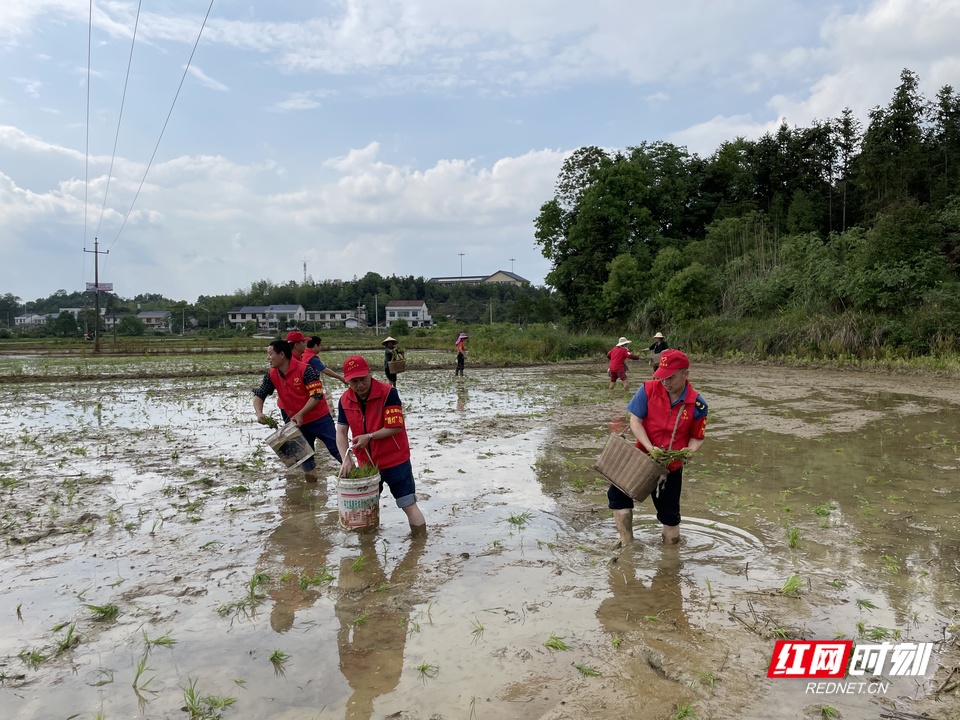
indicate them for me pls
(850, 341)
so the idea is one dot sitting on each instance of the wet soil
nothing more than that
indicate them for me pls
(233, 582)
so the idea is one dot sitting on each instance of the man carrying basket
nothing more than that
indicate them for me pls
(665, 408)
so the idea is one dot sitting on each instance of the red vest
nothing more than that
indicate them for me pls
(293, 393)
(389, 452)
(307, 354)
(661, 418)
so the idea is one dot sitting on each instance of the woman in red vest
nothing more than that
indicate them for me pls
(370, 411)
(300, 399)
(665, 408)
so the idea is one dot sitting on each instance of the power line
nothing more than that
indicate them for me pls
(123, 99)
(163, 129)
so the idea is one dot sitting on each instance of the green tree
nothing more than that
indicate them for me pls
(399, 328)
(130, 326)
(65, 325)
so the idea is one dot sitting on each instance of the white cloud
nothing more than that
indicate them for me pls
(206, 80)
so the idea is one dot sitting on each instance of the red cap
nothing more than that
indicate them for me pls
(296, 336)
(670, 362)
(355, 367)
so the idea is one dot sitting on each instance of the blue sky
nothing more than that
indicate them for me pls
(388, 135)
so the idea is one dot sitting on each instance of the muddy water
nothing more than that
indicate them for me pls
(159, 498)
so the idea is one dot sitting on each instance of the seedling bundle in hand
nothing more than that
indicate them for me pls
(668, 456)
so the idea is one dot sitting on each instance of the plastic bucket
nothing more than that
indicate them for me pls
(358, 499)
(358, 502)
(290, 445)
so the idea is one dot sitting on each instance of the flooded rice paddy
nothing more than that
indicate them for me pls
(158, 562)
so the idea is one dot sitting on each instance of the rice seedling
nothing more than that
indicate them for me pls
(138, 674)
(829, 711)
(709, 588)
(779, 633)
(69, 640)
(32, 658)
(837, 583)
(616, 642)
(791, 586)
(473, 707)
(104, 613)
(878, 633)
(823, 509)
(255, 582)
(706, 678)
(413, 627)
(520, 520)
(684, 710)
(555, 642)
(278, 658)
(861, 628)
(360, 620)
(866, 605)
(165, 640)
(586, 670)
(426, 670)
(891, 564)
(477, 631)
(359, 563)
(322, 576)
(793, 537)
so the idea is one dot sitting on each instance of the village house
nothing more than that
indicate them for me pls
(413, 311)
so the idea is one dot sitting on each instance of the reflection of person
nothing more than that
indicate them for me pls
(370, 410)
(631, 601)
(305, 349)
(665, 408)
(371, 653)
(461, 352)
(301, 545)
(619, 355)
(300, 399)
(658, 346)
(390, 353)
(463, 397)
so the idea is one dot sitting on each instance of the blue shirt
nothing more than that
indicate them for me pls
(638, 405)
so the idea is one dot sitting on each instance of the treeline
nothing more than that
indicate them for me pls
(465, 304)
(802, 224)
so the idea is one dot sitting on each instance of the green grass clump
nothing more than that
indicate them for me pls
(555, 642)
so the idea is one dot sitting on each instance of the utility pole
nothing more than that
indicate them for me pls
(461, 264)
(96, 288)
(511, 264)
(376, 314)
(304, 271)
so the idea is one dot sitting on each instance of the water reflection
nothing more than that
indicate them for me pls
(301, 546)
(635, 598)
(373, 628)
(463, 397)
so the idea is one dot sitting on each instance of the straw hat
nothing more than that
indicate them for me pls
(388, 339)
(622, 341)
(658, 335)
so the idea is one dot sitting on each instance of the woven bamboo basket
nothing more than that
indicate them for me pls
(397, 366)
(628, 467)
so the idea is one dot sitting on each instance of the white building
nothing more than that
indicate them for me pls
(267, 317)
(413, 311)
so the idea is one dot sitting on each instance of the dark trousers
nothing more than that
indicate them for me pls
(666, 499)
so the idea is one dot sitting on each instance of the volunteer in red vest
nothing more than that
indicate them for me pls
(370, 411)
(665, 407)
(618, 362)
(305, 350)
(300, 399)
